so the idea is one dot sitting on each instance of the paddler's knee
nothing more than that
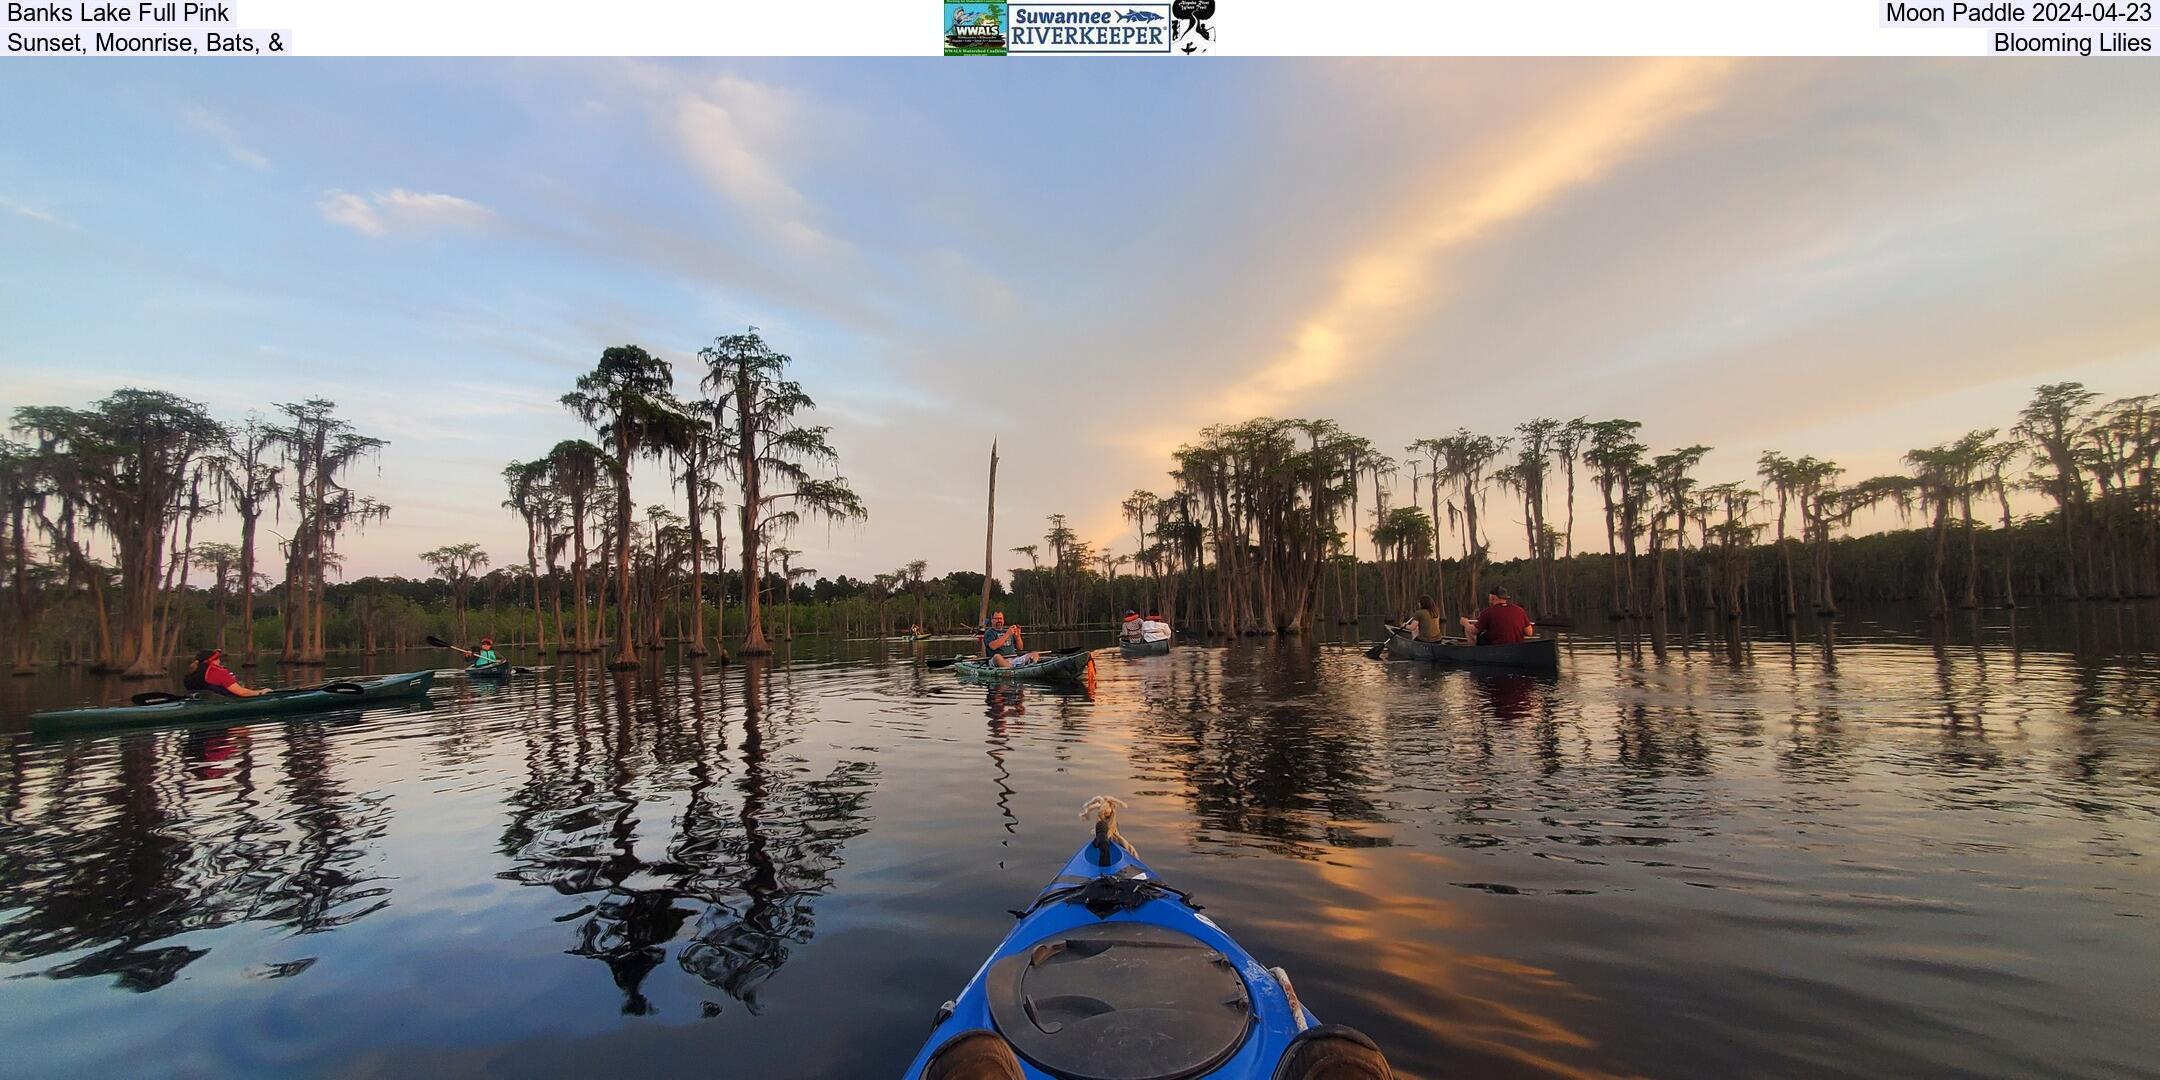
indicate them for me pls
(1334, 1052)
(974, 1055)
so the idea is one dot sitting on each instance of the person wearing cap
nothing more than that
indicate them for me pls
(1503, 622)
(486, 655)
(208, 675)
(1130, 630)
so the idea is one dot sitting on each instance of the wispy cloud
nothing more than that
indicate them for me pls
(734, 132)
(37, 214)
(401, 211)
(209, 123)
(1383, 285)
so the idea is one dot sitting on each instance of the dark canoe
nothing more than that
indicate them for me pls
(500, 669)
(1144, 648)
(1068, 667)
(371, 691)
(1542, 654)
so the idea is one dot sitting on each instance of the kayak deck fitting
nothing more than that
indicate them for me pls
(1113, 975)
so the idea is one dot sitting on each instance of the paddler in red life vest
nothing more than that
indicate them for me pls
(1503, 622)
(208, 676)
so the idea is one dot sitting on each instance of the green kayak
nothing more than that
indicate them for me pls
(337, 694)
(500, 669)
(1144, 648)
(1062, 667)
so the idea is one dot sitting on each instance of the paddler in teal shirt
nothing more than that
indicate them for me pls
(1003, 644)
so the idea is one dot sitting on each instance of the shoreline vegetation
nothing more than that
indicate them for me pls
(1269, 527)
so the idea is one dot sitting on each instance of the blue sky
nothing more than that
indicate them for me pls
(1089, 260)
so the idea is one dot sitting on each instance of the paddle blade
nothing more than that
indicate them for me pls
(437, 642)
(1376, 652)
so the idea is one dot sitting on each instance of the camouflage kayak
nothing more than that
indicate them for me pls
(1063, 667)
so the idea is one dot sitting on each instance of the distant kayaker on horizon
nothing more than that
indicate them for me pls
(1503, 622)
(1005, 645)
(208, 676)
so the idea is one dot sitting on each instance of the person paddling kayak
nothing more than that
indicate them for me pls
(1503, 622)
(1426, 623)
(1005, 645)
(486, 655)
(1131, 628)
(209, 675)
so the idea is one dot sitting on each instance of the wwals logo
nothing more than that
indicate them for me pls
(975, 29)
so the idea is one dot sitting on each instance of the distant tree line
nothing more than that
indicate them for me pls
(1270, 526)
(1261, 532)
(98, 511)
(99, 507)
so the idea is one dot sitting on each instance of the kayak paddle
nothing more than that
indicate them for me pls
(946, 662)
(441, 644)
(1377, 651)
(160, 697)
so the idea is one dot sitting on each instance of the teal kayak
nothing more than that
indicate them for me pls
(500, 669)
(1059, 667)
(1111, 973)
(336, 694)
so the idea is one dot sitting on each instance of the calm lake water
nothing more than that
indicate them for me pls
(1893, 857)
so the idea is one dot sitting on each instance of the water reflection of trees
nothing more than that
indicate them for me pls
(1260, 748)
(758, 836)
(110, 846)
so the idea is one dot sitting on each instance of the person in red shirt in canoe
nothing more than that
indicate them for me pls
(208, 675)
(1503, 622)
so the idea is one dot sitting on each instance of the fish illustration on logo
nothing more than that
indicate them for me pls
(1129, 15)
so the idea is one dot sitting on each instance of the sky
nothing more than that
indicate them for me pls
(1088, 261)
